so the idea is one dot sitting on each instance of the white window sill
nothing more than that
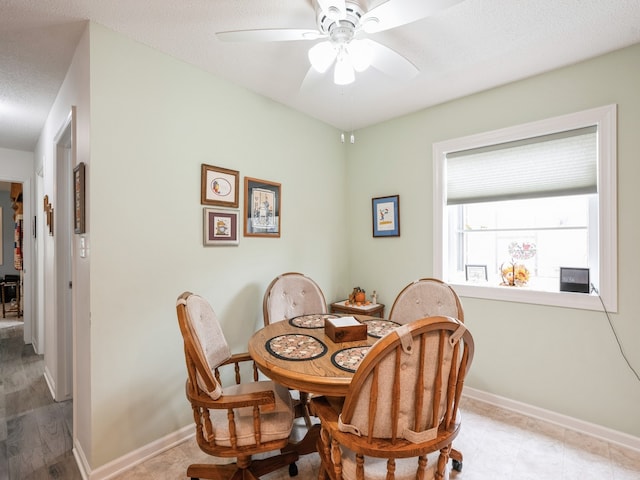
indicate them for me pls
(582, 301)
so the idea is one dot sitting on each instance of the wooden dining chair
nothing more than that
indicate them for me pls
(240, 420)
(400, 414)
(428, 297)
(290, 295)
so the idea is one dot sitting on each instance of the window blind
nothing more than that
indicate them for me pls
(563, 163)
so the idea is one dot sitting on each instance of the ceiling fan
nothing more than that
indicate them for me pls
(344, 28)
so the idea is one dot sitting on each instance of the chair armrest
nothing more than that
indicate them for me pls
(325, 411)
(264, 398)
(236, 359)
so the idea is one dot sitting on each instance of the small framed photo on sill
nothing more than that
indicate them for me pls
(386, 216)
(220, 227)
(475, 273)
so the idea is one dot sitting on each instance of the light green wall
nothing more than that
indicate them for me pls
(154, 121)
(559, 359)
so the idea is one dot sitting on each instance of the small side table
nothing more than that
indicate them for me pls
(374, 310)
(3, 287)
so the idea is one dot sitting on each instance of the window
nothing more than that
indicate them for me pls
(525, 201)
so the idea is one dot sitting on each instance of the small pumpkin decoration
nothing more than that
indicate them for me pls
(358, 296)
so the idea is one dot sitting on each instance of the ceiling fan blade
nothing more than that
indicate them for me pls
(269, 35)
(395, 13)
(390, 62)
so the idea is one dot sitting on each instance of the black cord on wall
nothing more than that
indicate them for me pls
(615, 334)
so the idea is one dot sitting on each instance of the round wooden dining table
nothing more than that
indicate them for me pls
(298, 354)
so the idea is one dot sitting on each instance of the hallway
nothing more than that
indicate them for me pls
(35, 432)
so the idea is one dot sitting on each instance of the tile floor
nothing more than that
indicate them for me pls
(497, 444)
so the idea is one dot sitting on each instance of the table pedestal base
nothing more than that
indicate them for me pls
(308, 444)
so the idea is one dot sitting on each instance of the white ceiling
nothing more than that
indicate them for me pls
(472, 46)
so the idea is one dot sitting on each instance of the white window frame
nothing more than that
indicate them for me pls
(605, 119)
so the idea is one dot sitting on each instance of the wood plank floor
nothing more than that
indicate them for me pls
(35, 431)
(35, 438)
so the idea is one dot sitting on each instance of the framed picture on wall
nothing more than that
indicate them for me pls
(48, 211)
(78, 198)
(219, 186)
(386, 216)
(262, 215)
(220, 227)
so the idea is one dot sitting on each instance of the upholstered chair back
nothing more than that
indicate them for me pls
(427, 297)
(290, 295)
(210, 348)
(417, 373)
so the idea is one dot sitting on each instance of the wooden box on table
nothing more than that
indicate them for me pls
(345, 329)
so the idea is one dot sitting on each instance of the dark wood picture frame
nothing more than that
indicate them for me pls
(219, 186)
(48, 211)
(262, 210)
(386, 216)
(79, 213)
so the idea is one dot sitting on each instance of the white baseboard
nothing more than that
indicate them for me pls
(81, 460)
(48, 378)
(592, 429)
(138, 456)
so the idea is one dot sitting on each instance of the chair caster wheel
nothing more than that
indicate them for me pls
(293, 470)
(457, 466)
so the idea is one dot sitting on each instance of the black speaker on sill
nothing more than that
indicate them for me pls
(574, 280)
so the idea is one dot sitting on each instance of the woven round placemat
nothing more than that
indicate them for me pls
(379, 328)
(312, 320)
(295, 347)
(349, 358)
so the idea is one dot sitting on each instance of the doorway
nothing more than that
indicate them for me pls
(11, 254)
(16, 169)
(59, 357)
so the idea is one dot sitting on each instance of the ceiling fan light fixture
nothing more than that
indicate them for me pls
(361, 54)
(321, 56)
(343, 73)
